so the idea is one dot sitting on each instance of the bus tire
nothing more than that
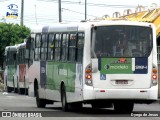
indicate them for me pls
(21, 91)
(123, 106)
(17, 86)
(15, 90)
(75, 106)
(41, 103)
(9, 89)
(101, 104)
(26, 91)
(64, 99)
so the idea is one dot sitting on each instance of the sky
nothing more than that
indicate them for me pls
(44, 12)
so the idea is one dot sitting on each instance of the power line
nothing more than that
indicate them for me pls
(93, 4)
(77, 12)
(3, 0)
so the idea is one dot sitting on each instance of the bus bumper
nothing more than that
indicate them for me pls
(91, 93)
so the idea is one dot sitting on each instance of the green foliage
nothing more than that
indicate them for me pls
(11, 34)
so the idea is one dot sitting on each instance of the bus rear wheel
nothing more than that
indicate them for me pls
(64, 99)
(41, 103)
(21, 90)
(123, 106)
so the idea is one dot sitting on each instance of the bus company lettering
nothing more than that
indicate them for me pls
(115, 67)
(141, 67)
(62, 72)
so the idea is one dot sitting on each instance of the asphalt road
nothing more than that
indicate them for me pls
(22, 107)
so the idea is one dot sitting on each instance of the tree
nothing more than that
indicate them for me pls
(11, 34)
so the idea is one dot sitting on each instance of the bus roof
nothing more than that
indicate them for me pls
(10, 48)
(76, 26)
(21, 45)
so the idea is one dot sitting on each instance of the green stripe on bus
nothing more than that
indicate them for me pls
(57, 72)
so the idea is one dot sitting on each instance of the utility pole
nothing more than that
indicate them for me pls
(22, 11)
(60, 11)
(85, 9)
(36, 14)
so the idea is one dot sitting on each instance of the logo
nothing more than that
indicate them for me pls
(6, 114)
(116, 67)
(21, 114)
(107, 67)
(12, 11)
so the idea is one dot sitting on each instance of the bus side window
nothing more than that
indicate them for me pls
(14, 56)
(57, 47)
(80, 45)
(50, 47)
(37, 47)
(64, 55)
(72, 47)
(44, 47)
(10, 58)
(20, 56)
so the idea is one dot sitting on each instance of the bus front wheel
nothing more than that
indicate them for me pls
(123, 106)
(41, 103)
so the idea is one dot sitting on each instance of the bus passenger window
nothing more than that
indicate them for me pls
(37, 47)
(57, 47)
(50, 47)
(80, 46)
(64, 55)
(44, 47)
(72, 46)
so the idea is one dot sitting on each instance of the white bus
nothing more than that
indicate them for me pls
(103, 63)
(30, 55)
(21, 76)
(10, 68)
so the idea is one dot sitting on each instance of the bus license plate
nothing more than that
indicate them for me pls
(121, 81)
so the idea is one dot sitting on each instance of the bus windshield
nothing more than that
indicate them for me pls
(122, 41)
